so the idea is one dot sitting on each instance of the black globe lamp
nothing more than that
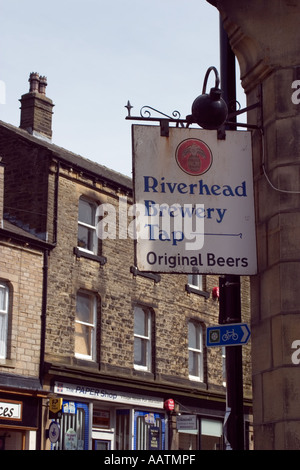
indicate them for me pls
(209, 111)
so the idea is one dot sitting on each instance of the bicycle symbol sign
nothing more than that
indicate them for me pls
(228, 335)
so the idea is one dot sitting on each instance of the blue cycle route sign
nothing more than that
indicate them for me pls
(232, 334)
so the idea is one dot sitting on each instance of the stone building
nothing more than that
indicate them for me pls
(22, 321)
(264, 36)
(124, 360)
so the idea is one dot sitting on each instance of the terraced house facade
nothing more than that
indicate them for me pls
(122, 360)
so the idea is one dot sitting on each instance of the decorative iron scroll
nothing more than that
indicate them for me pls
(145, 112)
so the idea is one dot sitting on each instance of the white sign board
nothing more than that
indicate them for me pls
(194, 201)
(186, 422)
(11, 410)
(103, 394)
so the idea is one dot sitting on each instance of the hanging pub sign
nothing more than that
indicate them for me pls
(194, 204)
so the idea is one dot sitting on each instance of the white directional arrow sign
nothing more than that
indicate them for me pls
(233, 334)
(246, 334)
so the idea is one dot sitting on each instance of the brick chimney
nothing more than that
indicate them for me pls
(36, 108)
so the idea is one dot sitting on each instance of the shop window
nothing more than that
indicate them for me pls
(87, 237)
(142, 338)
(122, 430)
(12, 440)
(74, 427)
(102, 430)
(195, 337)
(101, 444)
(208, 435)
(85, 326)
(4, 309)
(188, 440)
(101, 419)
(211, 434)
(149, 431)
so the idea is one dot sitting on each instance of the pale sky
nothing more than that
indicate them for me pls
(99, 54)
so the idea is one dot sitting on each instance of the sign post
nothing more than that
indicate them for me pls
(230, 293)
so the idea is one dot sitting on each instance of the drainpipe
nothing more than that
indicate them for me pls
(45, 293)
(56, 202)
(44, 314)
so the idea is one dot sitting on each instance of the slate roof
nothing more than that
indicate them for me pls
(10, 230)
(69, 157)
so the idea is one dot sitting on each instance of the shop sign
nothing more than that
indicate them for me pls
(170, 404)
(70, 440)
(55, 405)
(186, 422)
(103, 394)
(149, 418)
(11, 410)
(194, 202)
(154, 438)
(70, 407)
(54, 432)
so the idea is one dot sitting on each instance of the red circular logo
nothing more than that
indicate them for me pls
(194, 157)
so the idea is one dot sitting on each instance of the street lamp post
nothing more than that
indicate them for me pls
(230, 297)
(211, 112)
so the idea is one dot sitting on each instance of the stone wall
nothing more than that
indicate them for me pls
(118, 290)
(22, 269)
(46, 199)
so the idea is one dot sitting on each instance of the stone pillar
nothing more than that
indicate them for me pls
(265, 37)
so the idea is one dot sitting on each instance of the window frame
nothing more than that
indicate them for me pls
(198, 351)
(92, 326)
(89, 227)
(5, 314)
(195, 280)
(146, 339)
(196, 288)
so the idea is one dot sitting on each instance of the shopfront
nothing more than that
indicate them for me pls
(94, 418)
(204, 428)
(99, 418)
(18, 422)
(197, 432)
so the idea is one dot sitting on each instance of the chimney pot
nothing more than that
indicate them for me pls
(34, 80)
(42, 85)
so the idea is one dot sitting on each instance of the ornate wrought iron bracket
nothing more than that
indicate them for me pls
(231, 122)
(165, 120)
(241, 111)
